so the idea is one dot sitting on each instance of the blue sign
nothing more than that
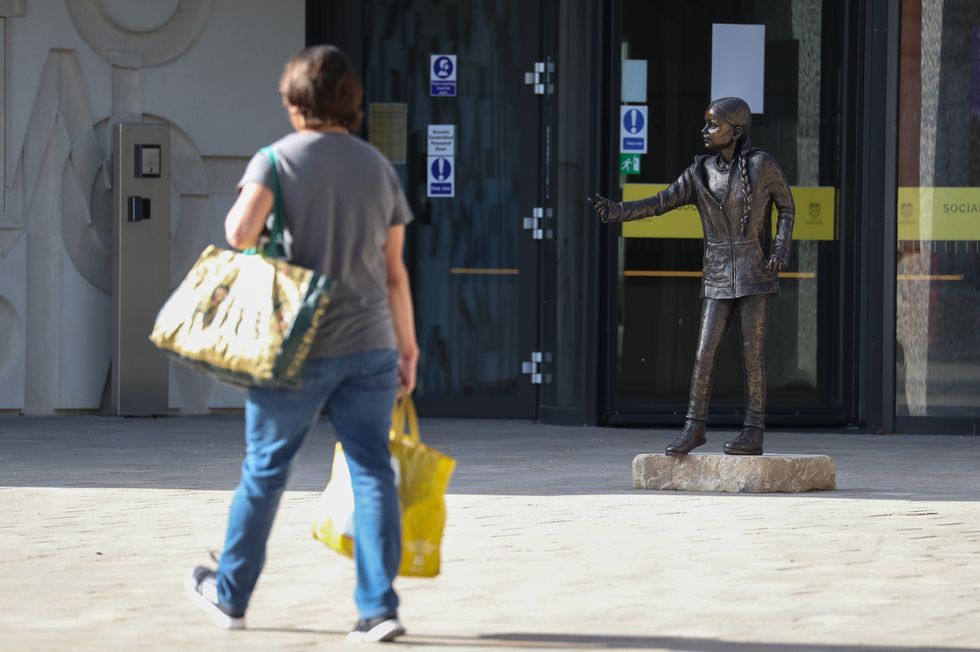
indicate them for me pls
(442, 177)
(442, 75)
(633, 130)
(443, 67)
(633, 121)
(442, 169)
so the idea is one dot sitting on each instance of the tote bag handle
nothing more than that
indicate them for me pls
(276, 246)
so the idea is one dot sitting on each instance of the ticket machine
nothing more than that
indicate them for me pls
(140, 267)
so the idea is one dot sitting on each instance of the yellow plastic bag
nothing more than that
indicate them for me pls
(422, 474)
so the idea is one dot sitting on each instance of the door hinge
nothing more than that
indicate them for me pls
(537, 223)
(540, 79)
(533, 367)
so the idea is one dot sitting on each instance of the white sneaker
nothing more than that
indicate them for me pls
(203, 592)
(376, 630)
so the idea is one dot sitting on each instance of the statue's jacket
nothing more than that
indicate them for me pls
(734, 262)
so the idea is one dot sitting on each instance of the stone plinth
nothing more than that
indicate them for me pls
(735, 473)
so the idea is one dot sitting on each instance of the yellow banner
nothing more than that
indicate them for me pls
(939, 214)
(815, 215)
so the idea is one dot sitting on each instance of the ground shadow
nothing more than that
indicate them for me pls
(688, 644)
(545, 641)
(495, 457)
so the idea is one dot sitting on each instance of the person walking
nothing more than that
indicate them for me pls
(346, 213)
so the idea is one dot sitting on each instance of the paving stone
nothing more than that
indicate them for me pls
(547, 545)
(734, 473)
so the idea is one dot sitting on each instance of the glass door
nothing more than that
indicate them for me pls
(937, 326)
(459, 67)
(657, 303)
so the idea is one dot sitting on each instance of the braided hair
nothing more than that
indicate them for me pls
(736, 112)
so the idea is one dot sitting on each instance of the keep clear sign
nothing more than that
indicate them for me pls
(441, 161)
(442, 177)
(633, 130)
(442, 75)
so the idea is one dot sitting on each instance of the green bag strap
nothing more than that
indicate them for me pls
(278, 207)
(276, 238)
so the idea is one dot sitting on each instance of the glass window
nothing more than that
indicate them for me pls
(937, 325)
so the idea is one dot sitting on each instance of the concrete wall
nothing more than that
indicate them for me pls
(69, 69)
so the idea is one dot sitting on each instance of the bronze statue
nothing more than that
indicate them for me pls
(734, 191)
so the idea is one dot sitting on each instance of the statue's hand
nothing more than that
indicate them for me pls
(776, 264)
(607, 209)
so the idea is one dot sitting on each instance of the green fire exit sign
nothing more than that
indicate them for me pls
(629, 163)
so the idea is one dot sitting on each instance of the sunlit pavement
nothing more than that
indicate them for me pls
(548, 547)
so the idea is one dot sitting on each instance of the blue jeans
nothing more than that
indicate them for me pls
(359, 391)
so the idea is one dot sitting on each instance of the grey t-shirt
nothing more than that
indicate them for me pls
(340, 197)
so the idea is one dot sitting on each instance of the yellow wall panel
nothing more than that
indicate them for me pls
(939, 214)
(815, 215)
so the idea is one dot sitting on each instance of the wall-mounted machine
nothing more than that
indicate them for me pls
(141, 267)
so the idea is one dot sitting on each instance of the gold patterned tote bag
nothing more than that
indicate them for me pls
(246, 318)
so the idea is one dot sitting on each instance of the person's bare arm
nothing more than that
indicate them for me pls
(402, 313)
(245, 220)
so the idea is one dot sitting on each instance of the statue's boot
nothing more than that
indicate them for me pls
(749, 442)
(690, 438)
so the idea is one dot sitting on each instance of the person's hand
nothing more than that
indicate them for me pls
(776, 264)
(408, 362)
(607, 209)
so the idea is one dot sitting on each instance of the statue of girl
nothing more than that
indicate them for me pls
(734, 189)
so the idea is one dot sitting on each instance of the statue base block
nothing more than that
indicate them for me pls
(735, 473)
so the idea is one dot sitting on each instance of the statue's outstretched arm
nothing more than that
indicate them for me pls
(673, 196)
(623, 211)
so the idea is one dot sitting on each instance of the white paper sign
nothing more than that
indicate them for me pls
(633, 129)
(738, 63)
(634, 83)
(442, 140)
(442, 75)
(442, 176)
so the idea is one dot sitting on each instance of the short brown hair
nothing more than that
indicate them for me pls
(321, 84)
